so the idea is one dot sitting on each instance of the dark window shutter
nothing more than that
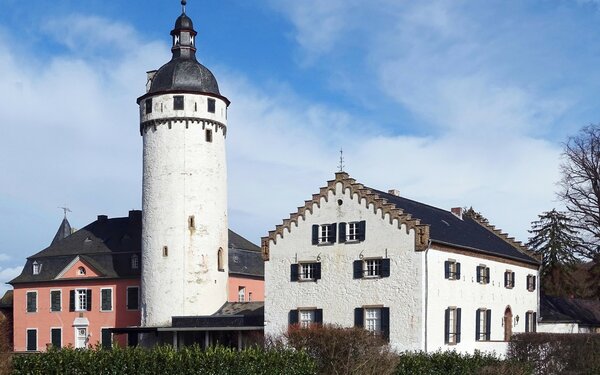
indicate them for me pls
(385, 267)
(317, 271)
(447, 269)
(487, 275)
(55, 300)
(527, 321)
(293, 317)
(55, 338)
(358, 269)
(488, 324)
(132, 298)
(359, 320)
(506, 284)
(478, 273)
(72, 300)
(457, 271)
(533, 278)
(447, 326)
(534, 322)
(106, 303)
(332, 233)
(385, 322)
(342, 236)
(293, 272)
(477, 324)
(132, 339)
(512, 282)
(89, 299)
(31, 339)
(319, 316)
(458, 318)
(362, 230)
(315, 234)
(106, 339)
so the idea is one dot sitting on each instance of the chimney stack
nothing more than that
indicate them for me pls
(458, 212)
(395, 192)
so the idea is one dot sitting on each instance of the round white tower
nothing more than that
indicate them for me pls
(183, 122)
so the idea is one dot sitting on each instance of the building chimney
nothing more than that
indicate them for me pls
(150, 76)
(135, 214)
(458, 212)
(102, 217)
(394, 192)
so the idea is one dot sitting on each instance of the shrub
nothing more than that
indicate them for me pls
(337, 350)
(165, 360)
(557, 353)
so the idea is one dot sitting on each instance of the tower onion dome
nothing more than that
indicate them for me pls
(184, 72)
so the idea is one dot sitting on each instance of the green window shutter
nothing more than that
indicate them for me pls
(319, 316)
(106, 338)
(385, 267)
(342, 231)
(106, 299)
(315, 234)
(457, 271)
(527, 321)
(477, 324)
(89, 299)
(317, 271)
(385, 322)
(488, 325)
(447, 326)
(458, 323)
(359, 319)
(362, 230)
(293, 317)
(447, 269)
(71, 300)
(358, 269)
(55, 338)
(294, 272)
(332, 233)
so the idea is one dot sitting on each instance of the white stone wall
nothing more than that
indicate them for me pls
(559, 328)
(469, 295)
(183, 175)
(337, 293)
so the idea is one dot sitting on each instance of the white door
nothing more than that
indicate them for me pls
(80, 337)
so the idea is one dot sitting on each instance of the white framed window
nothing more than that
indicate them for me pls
(483, 274)
(452, 269)
(352, 231)
(106, 303)
(37, 267)
(56, 337)
(531, 283)
(306, 271)
(372, 267)
(373, 319)
(81, 299)
(55, 300)
(31, 340)
(509, 279)
(133, 298)
(306, 318)
(530, 321)
(326, 234)
(31, 301)
(135, 262)
(452, 326)
(249, 296)
(483, 324)
(241, 294)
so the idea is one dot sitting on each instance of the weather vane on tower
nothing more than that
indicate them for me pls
(183, 3)
(341, 166)
(65, 210)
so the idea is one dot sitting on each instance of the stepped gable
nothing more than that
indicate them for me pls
(365, 194)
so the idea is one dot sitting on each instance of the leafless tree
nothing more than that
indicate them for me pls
(580, 187)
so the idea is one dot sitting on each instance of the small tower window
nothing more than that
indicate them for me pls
(211, 105)
(165, 251)
(81, 271)
(178, 102)
(220, 265)
(195, 107)
(191, 222)
(37, 267)
(135, 262)
(208, 135)
(148, 104)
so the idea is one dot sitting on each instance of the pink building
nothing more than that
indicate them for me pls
(85, 284)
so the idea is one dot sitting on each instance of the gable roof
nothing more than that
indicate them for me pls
(569, 310)
(471, 232)
(108, 245)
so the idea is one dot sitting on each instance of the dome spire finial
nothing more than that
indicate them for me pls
(183, 3)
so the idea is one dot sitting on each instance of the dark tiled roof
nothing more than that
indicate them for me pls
(447, 228)
(7, 300)
(108, 244)
(562, 310)
(231, 314)
(64, 230)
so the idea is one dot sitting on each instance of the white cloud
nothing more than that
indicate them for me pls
(7, 274)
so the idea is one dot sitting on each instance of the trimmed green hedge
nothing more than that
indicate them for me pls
(453, 363)
(164, 360)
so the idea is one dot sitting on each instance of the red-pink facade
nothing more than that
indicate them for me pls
(246, 289)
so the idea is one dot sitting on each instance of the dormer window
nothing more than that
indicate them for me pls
(135, 262)
(37, 267)
(81, 271)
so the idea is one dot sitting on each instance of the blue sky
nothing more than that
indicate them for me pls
(454, 103)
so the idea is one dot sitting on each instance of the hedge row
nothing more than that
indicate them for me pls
(453, 363)
(557, 353)
(164, 360)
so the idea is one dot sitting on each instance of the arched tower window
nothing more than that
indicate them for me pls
(220, 264)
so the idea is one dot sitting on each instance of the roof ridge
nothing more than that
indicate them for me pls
(414, 201)
(484, 222)
(371, 196)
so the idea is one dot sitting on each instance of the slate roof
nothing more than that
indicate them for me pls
(231, 314)
(569, 310)
(64, 230)
(108, 244)
(448, 229)
(7, 300)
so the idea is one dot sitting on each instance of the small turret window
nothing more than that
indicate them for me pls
(211, 105)
(220, 265)
(148, 105)
(178, 102)
(208, 135)
(135, 262)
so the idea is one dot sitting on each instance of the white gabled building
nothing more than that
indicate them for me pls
(426, 278)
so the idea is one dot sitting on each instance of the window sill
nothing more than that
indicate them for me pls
(306, 280)
(106, 311)
(325, 243)
(372, 277)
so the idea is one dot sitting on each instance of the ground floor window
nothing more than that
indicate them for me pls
(374, 319)
(106, 339)
(31, 339)
(56, 337)
(483, 320)
(530, 321)
(452, 325)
